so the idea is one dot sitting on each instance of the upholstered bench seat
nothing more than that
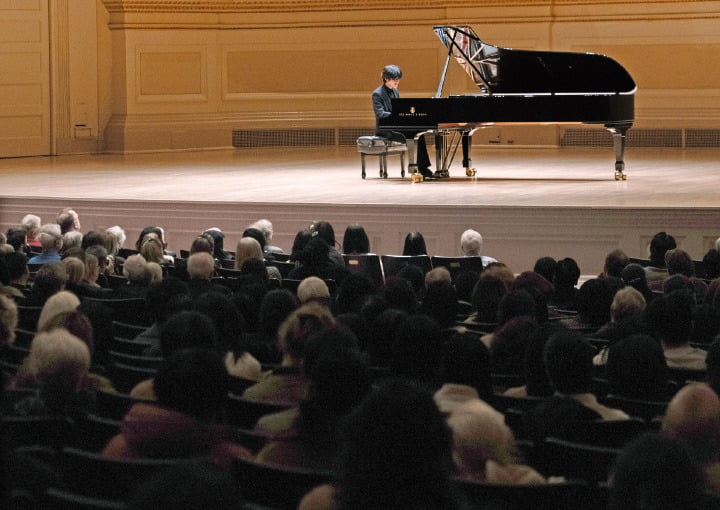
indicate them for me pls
(381, 147)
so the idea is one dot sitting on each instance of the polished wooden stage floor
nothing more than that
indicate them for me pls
(526, 202)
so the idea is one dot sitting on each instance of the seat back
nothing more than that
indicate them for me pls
(392, 264)
(127, 310)
(280, 488)
(91, 474)
(53, 431)
(244, 413)
(610, 434)
(368, 265)
(283, 266)
(557, 496)
(135, 360)
(458, 264)
(645, 409)
(113, 406)
(572, 460)
(60, 499)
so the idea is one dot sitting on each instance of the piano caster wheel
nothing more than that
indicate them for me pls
(619, 176)
(417, 177)
(470, 172)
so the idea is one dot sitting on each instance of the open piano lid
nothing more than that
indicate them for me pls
(502, 71)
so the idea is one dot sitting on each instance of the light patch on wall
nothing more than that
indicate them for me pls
(170, 73)
(330, 71)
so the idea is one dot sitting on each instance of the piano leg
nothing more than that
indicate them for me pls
(619, 133)
(412, 160)
(467, 161)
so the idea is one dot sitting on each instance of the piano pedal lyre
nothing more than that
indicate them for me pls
(470, 172)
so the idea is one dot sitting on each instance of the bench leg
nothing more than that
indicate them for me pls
(383, 166)
(402, 164)
(362, 163)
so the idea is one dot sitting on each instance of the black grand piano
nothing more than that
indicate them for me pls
(516, 86)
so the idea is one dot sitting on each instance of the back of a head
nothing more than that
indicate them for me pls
(480, 434)
(229, 323)
(466, 361)
(568, 362)
(627, 301)
(414, 244)
(711, 263)
(517, 303)
(49, 279)
(16, 263)
(441, 303)
(313, 289)
(203, 243)
(255, 234)
(63, 301)
(265, 226)
(201, 266)
(656, 473)
(115, 237)
(185, 330)
(636, 368)
(163, 298)
(399, 294)
(471, 242)
(324, 231)
(58, 352)
(135, 269)
(352, 291)
(670, 317)
(615, 262)
(300, 324)
(634, 275)
(315, 252)
(218, 241)
(152, 249)
(594, 299)
(546, 267)
(660, 244)
(486, 297)
(355, 240)
(417, 349)
(678, 261)
(567, 273)
(276, 306)
(248, 248)
(149, 230)
(194, 382)
(396, 434)
(693, 414)
(8, 320)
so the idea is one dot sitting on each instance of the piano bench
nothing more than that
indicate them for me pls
(381, 147)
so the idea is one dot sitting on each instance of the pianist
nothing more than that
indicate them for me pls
(382, 104)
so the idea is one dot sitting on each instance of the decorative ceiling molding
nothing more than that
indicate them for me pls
(264, 6)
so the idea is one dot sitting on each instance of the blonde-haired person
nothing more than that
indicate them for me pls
(627, 303)
(63, 301)
(315, 289)
(484, 447)
(249, 249)
(152, 249)
(8, 321)
(287, 384)
(155, 272)
(71, 240)
(114, 240)
(31, 223)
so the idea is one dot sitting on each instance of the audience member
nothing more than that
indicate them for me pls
(670, 321)
(18, 273)
(636, 368)
(471, 244)
(51, 242)
(49, 279)
(8, 322)
(191, 388)
(396, 453)
(352, 293)
(163, 299)
(201, 269)
(17, 238)
(315, 261)
(634, 276)
(615, 262)
(484, 447)
(414, 244)
(287, 384)
(657, 473)
(567, 274)
(266, 227)
(275, 308)
(656, 271)
(464, 366)
(693, 417)
(441, 303)
(355, 240)
(218, 243)
(31, 223)
(324, 230)
(711, 264)
(545, 267)
(249, 249)
(68, 221)
(313, 288)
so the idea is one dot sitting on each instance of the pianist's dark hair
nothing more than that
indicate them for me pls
(391, 72)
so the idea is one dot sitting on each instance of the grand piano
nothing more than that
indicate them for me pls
(515, 86)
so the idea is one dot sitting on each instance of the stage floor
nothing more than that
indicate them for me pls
(526, 202)
(670, 178)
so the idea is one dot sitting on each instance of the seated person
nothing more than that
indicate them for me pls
(484, 447)
(287, 384)
(191, 388)
(382, 105)
(471, 243)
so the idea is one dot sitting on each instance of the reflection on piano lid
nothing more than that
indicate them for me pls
(501, 71)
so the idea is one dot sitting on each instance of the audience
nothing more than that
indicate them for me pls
(318, 354)
(414, 244)
(471, 244)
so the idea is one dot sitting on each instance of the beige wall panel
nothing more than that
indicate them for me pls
(24, 78)
(322, 72)
(20, 95)
(171, 73)
(21, 127)
(20, 31)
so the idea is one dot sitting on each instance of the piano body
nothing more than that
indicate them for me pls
(516, 86)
